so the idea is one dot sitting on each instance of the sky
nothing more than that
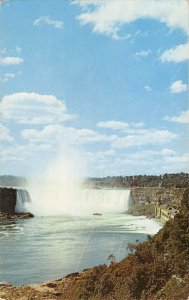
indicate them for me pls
(103, 83)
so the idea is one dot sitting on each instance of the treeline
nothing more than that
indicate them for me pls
(12, 181)
(179, 180)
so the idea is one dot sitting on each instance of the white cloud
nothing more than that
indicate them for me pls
(176, 163)
(182, 118)
(135, 134)
(108, 16)
(176, 54)
(11, 60)
(9, 75)
(148, 88)
(5, 77)
(107, 153)
(53, 134)
(165, 160)
(18, 49)
(87, 136)
(116, 125)
(3, 51)
(44, 135)
(148, 137)
(141, 162)
(138, 125)
(23, 152)
(99, 156)
(151, 154)
(32, 108)
(5, 134)
(131, 128)
(47, 20)
(167, 152)
(181, 159)
(143, 53)
(178, 87)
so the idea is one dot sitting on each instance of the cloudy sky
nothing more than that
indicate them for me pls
(104, 79)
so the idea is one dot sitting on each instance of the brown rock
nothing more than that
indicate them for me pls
(71, 275)
(51, 285)
(57, 294)
(5, 284)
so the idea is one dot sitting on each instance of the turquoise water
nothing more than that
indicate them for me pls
(43, 248)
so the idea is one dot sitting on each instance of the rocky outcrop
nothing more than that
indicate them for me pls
(14, 216)
(157, 195)
(7, 200)
(147, 210)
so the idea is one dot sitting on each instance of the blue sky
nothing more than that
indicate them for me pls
(103, 80)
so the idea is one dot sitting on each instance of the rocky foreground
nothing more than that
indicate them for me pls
(57, 289)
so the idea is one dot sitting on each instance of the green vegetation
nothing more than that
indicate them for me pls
(147, 210)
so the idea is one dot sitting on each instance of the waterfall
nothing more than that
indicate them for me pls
(104, 200)
(22, 200)
(59, 200)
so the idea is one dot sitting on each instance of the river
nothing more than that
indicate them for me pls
(44, 248)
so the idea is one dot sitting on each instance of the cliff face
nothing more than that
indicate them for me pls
(7, 200)
(161, 195)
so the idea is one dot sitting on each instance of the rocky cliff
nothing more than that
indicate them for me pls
(7, 200)
(157, 195)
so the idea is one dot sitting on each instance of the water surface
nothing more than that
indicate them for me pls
(46, 248)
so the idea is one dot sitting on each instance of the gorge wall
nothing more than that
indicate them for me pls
(7, 200)
(157, 195)
(157, 202)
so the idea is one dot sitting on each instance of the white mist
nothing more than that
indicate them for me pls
(58, 191)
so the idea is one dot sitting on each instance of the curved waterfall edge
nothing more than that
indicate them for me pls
(74, 202)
